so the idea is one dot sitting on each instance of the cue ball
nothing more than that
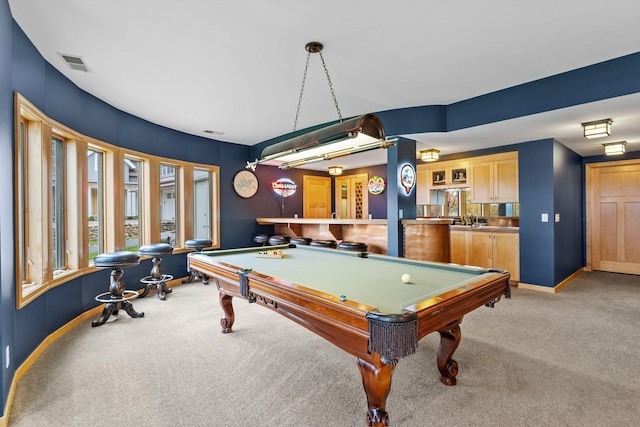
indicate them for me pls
(406, 278)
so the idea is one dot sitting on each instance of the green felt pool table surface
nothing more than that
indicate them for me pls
(374, 281)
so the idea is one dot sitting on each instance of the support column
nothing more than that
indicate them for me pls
(401, 199)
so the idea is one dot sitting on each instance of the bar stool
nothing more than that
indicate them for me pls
(324, 243)
(352, 246)
(118, 297)
(198, 245)
(279, 239)
(261, 239)
(156, 278)
(301, 241)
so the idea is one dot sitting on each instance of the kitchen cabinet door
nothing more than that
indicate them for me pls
(480, 249)
(458, 242)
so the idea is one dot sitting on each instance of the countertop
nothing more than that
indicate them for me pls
(338, 221)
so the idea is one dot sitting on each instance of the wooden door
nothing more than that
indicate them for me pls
(458, 247)
(423, 186)
(505, 173)
(480, 249)
(481, 182)
(613, 222)
(506, 253)
(316, 197)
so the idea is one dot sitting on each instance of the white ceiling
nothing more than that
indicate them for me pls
(236, 66)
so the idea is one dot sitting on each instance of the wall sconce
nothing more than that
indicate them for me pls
(431, 155)
(335, 170)
(615, 148)
(597, 129)
(346, 137)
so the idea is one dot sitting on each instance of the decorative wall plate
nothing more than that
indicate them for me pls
(245, 183)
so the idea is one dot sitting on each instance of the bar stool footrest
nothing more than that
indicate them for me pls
(126, 295)
(160, 284)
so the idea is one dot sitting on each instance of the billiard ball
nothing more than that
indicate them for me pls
(406, 278)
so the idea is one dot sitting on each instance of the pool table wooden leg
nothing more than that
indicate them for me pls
(450, 337)
(227, 320)
(377, 384)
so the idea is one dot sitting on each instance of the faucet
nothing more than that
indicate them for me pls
(334, 215)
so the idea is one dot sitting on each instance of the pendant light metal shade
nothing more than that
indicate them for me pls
(340, 139)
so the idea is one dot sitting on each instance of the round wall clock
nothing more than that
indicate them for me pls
(245, 183)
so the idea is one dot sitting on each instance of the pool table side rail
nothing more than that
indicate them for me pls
(436, 313)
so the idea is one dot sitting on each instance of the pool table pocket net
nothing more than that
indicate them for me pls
(393, 336)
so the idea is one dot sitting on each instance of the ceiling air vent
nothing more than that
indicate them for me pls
(74, 62)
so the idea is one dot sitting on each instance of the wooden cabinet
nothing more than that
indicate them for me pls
(494, 181)
(487, 249)
(506, 253)
(458, 241)
(449, 176)
(351, 196)
(423, 186)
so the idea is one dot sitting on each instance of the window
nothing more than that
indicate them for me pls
(78, 197)
(58, 229)
(132, 203)
(95, 205)
(202, 205)
(168, 204)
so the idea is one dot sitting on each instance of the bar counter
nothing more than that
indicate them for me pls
(429, 236)
(373, 232)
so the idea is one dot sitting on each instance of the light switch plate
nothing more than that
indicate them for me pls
(544, 217)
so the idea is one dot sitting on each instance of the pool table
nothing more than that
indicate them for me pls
(357, 301)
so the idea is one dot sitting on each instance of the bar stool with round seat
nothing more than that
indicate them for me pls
(352, 246)
(198, 245)
(118, 297)
(156, 278)
(301, 241)
(261, 239)
(324, 243)
(279, 239)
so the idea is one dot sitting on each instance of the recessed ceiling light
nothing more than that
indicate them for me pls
(213, 132)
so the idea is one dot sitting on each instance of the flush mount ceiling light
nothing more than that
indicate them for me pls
(597, 129)
(431, 155)
(346, 137)
(335, 170)
(615, 148)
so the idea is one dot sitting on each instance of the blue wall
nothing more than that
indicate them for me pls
(7, 287)
(551, 176)
(569, 205)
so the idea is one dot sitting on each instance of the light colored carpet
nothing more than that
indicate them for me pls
(566, 359)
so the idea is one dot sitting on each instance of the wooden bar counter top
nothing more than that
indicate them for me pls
(373, 232)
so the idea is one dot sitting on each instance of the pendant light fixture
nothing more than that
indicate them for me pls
(354, 135)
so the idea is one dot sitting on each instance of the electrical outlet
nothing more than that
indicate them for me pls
(7, 353)
(557, 217)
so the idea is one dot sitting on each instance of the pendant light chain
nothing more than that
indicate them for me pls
(333, 95)
(304, 80)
